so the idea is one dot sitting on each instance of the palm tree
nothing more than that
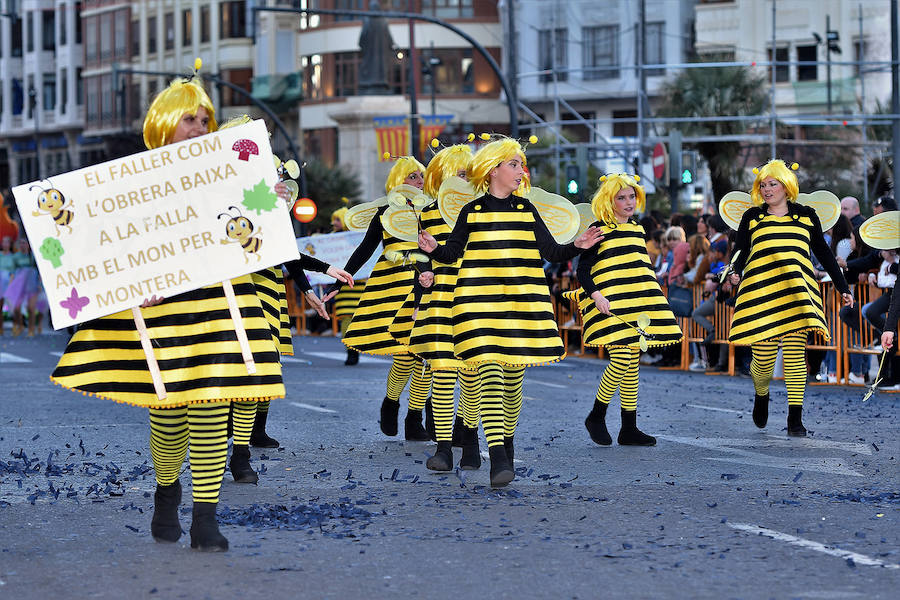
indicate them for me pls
(715, 92)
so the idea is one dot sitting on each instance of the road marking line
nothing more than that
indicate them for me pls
(311, 407)
(860, 559)
(553, 385)
(12, 358)
(291, 359)
(717, 409)
(342, 357)
(56, 354)
(770, 441)
(818, 465)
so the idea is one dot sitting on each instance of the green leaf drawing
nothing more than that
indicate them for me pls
(51, 249)
(260, 198)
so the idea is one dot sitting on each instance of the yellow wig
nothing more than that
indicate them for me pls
(489, 158)
(339, 215)
(603, 203)
(403, 167)
(446, 163)
(776, 169)
(181, 97)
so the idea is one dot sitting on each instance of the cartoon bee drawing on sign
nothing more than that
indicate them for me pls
(240, 229)
(51, 201)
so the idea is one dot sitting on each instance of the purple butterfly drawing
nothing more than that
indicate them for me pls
(74, 303)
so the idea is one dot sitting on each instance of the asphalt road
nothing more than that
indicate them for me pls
(718, 509)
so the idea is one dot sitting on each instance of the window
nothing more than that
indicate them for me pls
(860, 50)
(48, 30)
(79, 87)
(107, 97)
(600, 46)
(807, 54)
(552, 46)
(32, 97)
(92, 104)
(48, 98)
(63, 90)
(106, 35)
(451, 69)
(169, 31)
(782, 72)
(29, 31)
(655, 47)
(233, 19)
(90, 49)
(78, 23)
(187, 24)
(62, 25)
(121, 21)
(204, 24)
(346, 73)
(18, 97)
(448, 9)
(135, 38)
(241, 78)
(312, 76)
(16, 35)
(349, 5)
(624, 128)
(151, 35)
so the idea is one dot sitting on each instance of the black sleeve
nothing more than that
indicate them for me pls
(870, 261)
(820, 249)
(295, 271)
(450, 251)
(308, 263)
(365, 250)
(742, 241)
(893, 314)
(550, 250)
(585, 263)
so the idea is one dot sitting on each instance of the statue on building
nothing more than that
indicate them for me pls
(377, 55)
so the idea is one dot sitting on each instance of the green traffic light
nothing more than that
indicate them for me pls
(687, 176)
(572, 187)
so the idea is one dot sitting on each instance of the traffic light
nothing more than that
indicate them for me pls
(687, 176)
(572, 176)
(688, 167)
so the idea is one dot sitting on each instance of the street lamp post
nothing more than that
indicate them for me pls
(831, 45)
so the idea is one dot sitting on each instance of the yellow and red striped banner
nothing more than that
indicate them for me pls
(392, 134)
(431, 127)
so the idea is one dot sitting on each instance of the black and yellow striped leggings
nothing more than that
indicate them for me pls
(404, 366)
(443, 385)
(793, 350)
(203, 428)
(501, 400)
(621, 373)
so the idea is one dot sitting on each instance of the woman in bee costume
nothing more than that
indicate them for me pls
(383, 319)
(502, 316)
(778, 300)
(617, 287)
(198, 355)
(432, 335)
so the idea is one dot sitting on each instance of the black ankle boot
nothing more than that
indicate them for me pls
(459, 432)
(412, 427)
(596, 424)
(240, 465)
(352, 357)
(510, 450)
(630, 435)
(429, 420)
(501, 471)
(164, 525)
(795, 426)
(442, 459)
(471, 453)
(258, 437)
(389, 410)
(205, 535)
(760, 410)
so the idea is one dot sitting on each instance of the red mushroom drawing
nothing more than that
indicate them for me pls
(245, 148)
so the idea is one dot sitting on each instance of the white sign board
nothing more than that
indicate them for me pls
(161, 222)
(335, 249)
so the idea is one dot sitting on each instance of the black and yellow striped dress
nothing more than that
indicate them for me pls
(501, 305)
(778, 293)
(270, 288)
(347, 299)
(383, 318)
(432, 334)
(619, 267)
(195, 345)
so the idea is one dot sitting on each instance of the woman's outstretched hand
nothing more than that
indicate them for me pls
(589, 238)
